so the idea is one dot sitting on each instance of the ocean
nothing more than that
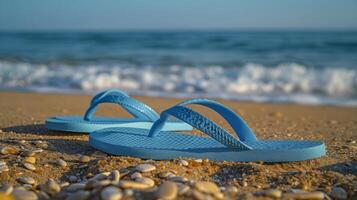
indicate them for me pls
(306, 67)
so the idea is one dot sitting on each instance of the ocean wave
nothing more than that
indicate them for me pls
(286, 82)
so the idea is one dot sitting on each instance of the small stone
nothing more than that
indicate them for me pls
(100, 176)
(165, 174)
(145, 180)
(232, 190)
(51, 187)
(183, 189)
(26, 180)
(183, 163)
(38, 151)
(272, 193)
(72, 178)
(79, 195)
(244, 183)
(198, 160)
(133, 185)
(115, 176)
(128, 193)
(3, 167)
(9, 150)
(136, 175)
(61, 163)
(178, 179)
(111, 193)
(167, 191)
(75, 187)
(84, 159)
(27, 153)
(145, 168)
(40, 144)
(29, 166)
(304, 195)
(99, 154)
(31, 160)
(20, 194)
(207, 187)
(43, 195)
(6, 189)
(338, 193)
(64, 184)
(199, 195)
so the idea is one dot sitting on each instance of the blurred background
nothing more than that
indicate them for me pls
(265, 51)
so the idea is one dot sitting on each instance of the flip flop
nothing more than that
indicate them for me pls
(220, 145)
(144, 116)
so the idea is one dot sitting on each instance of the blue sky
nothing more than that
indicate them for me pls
(177, 14)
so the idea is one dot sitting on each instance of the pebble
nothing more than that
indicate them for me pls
(27, 153)
(183, 189)
(26, 180)
(115, 176)
(198, 160)
(30, 159)
(338, 193)
(40, 144)
(165, 174)
(133, 185)
(99, 154)
(75, 187)
(6, 189)
(38, 151)
(304, 195)
(20, 194)
(51, 187)
(145, 167)
(183, 163)
(178, 179)
(79, 195)
(145, 180)
(8, 150)
(136, 175)
(84, 159)
(231, 190)
(272, 193)
(72, 178)
(29, 166)
(207, 187)
(128, 193)
(111, 193)
(244, 183)
(61, 163)
(167, 191)
(3, 167)
(100, 176)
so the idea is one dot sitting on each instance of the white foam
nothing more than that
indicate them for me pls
(289, 82)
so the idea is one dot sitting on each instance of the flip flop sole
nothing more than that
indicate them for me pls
(170, 145)
(77, 124)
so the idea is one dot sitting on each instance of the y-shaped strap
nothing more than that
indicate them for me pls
(207, 126)
(134, 107)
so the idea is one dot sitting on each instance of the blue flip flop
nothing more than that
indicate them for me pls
(220, 145)
(144, 116)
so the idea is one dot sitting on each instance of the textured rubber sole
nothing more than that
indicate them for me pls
(77, 124)
(170, 145)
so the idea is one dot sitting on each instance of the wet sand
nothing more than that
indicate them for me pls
(22, 117)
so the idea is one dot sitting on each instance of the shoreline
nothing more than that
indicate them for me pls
(23, 113)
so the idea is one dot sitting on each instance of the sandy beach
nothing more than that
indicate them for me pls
(22, 117)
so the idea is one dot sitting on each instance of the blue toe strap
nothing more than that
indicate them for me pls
(133, 106)
(207, 126)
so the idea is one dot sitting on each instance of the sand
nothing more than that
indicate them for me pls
(22, 117)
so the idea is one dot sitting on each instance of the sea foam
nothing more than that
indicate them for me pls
(287, 82)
